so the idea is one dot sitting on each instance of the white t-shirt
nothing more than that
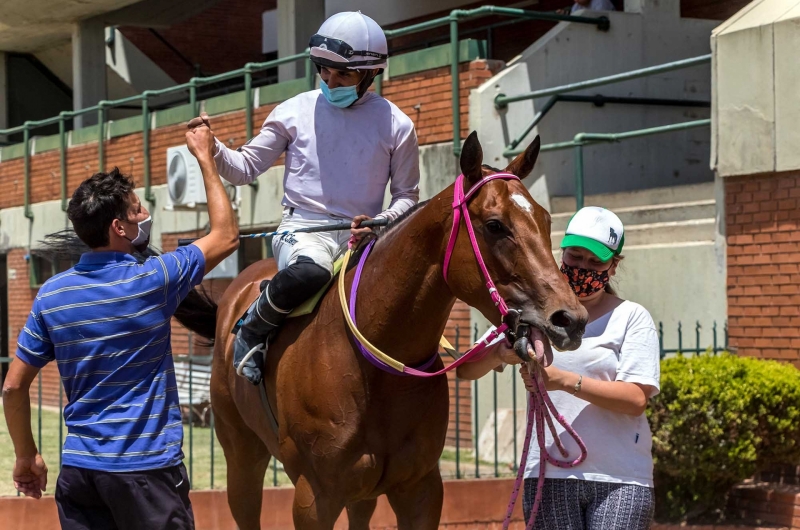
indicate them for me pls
(338, 161)
(622, 345)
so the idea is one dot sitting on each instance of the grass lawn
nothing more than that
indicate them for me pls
(197, 446)
(197, 461)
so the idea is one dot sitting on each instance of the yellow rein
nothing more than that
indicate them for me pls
(397, 365)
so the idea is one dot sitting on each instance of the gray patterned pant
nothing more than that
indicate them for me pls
(570, 504)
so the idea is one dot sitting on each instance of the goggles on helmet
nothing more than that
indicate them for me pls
(340, 47)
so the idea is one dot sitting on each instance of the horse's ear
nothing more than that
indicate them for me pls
(472, 158)
(523, 164)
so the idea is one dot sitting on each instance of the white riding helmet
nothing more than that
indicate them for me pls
(349, 40)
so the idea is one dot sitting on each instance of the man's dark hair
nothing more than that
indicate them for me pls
(96, 203)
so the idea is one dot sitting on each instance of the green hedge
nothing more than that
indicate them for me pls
(717, 421)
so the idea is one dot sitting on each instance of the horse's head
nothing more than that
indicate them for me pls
(513, 234)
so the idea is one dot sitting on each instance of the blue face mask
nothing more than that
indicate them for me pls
(341, 97)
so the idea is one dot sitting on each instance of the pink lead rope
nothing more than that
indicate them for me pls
(538, 402)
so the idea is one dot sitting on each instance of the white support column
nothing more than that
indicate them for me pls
(88, 68)
(3, 95)
(298, 20)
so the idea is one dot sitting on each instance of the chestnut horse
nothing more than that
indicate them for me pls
(347, 431)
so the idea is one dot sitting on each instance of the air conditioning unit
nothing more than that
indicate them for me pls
(185, 181)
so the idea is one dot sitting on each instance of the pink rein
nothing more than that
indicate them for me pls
(539, 404)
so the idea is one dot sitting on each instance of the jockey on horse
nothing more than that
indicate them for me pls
(343, 144)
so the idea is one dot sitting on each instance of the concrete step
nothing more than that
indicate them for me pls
(651, 214)
(655, 213)
(660, 233)
(627, 199)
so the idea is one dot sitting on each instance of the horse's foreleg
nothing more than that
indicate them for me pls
(418, 506)
(359, 513)
(311, 511)
(248, 459)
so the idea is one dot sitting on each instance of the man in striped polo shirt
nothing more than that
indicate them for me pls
(106, 323)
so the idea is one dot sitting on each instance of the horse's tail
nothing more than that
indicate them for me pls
(198, 312)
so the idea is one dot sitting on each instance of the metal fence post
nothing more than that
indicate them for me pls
(477, 433)
(454, 49)
(458, 420)
(193, 95)
(274, 471)
(715, 337)
(26, 138)
(578, 177)
(101, 129)
(494, 398)
(62, 145)
(60, 423)
(697, 338)
(191, 437)
(211, 428)
(514, 412)
(662, 353)
(680, 337)
(248, 100)
(39, 400)
(148, 193)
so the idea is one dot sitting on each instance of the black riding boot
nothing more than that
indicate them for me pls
(289, 288)
(262, 318)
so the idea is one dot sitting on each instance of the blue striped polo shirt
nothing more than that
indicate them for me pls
(106, 322)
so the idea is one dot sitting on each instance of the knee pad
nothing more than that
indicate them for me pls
(297, 283)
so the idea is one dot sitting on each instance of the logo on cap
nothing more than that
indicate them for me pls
(612, 237)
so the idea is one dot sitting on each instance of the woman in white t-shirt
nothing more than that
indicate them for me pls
(601, 389)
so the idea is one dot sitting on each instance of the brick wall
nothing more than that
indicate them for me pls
(762, 219)
(767, 504)
(20, 300)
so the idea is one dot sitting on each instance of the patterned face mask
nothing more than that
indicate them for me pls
(585, 282)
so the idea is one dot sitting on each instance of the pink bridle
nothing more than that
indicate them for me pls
(460, 209)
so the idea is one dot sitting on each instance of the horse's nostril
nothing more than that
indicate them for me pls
(562, 319)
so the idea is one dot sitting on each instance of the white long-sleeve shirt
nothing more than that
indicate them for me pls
(338, 161)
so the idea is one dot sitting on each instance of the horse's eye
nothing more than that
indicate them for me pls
(495, 227)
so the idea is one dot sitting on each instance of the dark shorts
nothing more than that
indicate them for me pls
(102, 500)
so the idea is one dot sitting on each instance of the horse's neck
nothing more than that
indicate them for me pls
(403, 302)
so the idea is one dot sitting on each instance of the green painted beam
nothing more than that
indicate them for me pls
(46, 143)
(435, 57)
(10, 152)
(226, 103)
(130, 125)
(180, 114)
(281, 91)
(85, 135)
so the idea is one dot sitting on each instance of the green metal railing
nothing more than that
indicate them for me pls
(557, 94)
(461, 459)
(102, 108)
(582, 139)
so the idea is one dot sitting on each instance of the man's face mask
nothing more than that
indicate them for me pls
(585, 282)
(142, 239)
(342, 96)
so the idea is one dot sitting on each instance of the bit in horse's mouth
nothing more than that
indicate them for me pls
(538, 343)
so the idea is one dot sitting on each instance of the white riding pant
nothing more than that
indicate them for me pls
(322, 247)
